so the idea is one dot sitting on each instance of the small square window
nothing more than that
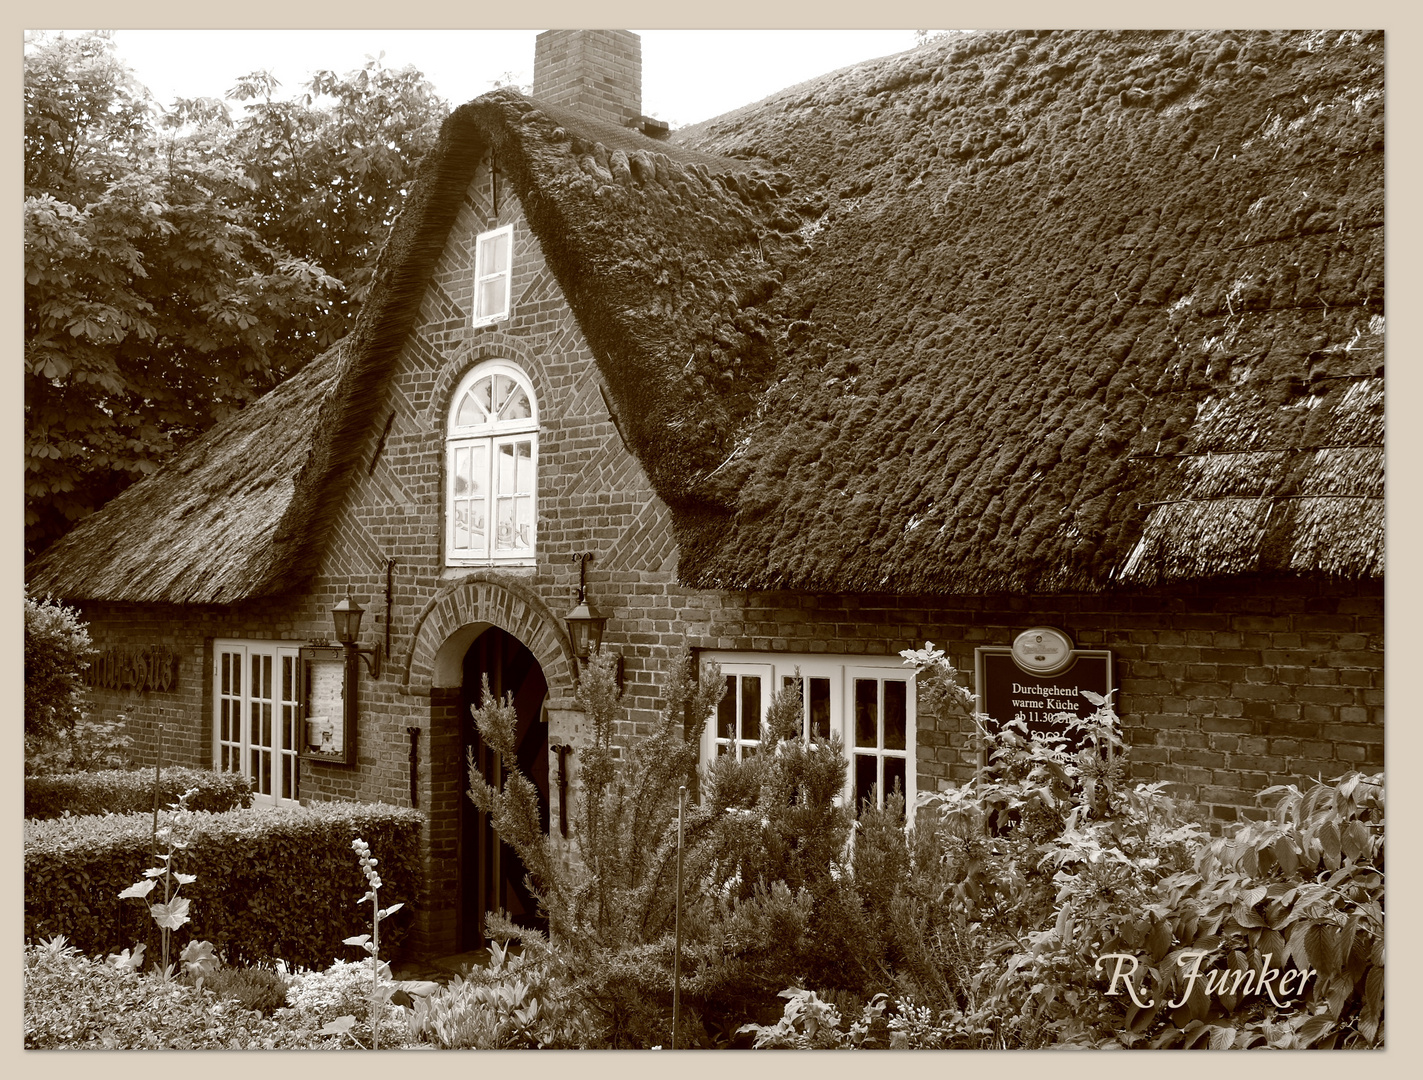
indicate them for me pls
(493, 271)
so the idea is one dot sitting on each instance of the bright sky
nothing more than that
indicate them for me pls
(687, 75)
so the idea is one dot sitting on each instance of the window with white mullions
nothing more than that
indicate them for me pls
(881, 726)
(493, 271)
(741, 712)
(492, 497)
(255, 717)
(815, 705)
(868, 702)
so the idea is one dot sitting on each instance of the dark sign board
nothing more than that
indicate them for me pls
(1006, 692)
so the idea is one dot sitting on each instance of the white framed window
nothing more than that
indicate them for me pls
(255, 716)
(868, 701)
(736, 727)
(493, 275)
(491, 504)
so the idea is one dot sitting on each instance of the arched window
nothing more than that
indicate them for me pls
(491, 506)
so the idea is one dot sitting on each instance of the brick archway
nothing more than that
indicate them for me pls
(450, 623)
(481, 600)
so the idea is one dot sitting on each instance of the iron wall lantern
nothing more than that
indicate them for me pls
(586, 623)
(347, 617)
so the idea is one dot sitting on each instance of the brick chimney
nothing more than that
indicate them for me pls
(598, 72)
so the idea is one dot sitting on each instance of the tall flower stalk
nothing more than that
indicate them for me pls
(371, 942)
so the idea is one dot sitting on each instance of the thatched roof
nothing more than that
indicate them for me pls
(204, 529)
(1022, 312)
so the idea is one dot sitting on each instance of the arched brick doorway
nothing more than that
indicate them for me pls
(491, 875)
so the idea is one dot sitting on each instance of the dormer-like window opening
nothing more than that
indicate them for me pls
(493, 444)
(493, 263)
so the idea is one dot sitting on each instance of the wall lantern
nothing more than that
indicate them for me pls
(347, 616)
(586, 623)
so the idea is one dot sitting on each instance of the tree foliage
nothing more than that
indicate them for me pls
(57, 650)
(179, 265)
(329, 180)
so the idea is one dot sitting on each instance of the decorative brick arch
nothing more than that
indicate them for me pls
(480, 600)
(491, 346)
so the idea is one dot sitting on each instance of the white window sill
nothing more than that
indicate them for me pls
(524, 568)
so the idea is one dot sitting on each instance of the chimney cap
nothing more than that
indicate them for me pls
(651, 126)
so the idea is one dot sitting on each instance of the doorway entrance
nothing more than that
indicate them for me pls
(491, 876)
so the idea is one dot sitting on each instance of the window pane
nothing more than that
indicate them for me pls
(472, 411)
(494, 254)
(504, 481)
(502, 385)
(517, 407)
(894, 776)
(866, 766)
(820, 708)
(524, 523)
(866, 712)
(524, 468)
(895, 702)
(750, 706)
(491, 297)
(726, 711)
(504, 533)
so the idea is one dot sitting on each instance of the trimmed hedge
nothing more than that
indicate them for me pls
(271, 884)
(128, 791)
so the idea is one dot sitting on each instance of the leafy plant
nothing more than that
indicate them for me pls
(808, 1023)
(73, 1001)
(172, 913)
(516, 1001)
(335, 1003)
(261, 989)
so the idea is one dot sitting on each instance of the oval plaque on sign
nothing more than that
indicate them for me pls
(1042, 650)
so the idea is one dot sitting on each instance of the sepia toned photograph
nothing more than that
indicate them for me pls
(695, 540)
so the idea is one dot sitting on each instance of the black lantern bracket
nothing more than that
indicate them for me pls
(586, 623)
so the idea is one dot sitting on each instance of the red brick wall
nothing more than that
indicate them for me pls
(1223, 688)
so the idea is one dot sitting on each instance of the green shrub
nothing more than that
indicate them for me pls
(85, 746)
(260, 989)
(73, 1001)
(115, 791)
(316, 998)
(270, 884)
(57, 650)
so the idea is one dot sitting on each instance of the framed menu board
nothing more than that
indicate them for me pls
(329, 731)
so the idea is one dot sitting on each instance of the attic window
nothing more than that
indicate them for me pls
(492, 273)
(491, 499)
